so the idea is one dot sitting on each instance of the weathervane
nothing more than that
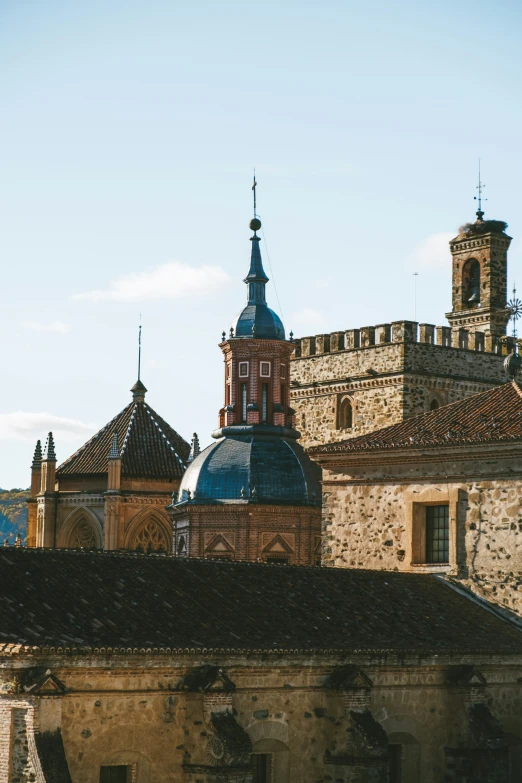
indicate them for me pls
(480, 188)
(514, 308)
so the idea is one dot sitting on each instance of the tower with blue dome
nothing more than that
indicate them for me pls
(253, 494)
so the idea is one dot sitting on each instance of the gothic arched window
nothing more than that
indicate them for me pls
(471, 283)
(346, 414)
(434, 405)
(150, 538)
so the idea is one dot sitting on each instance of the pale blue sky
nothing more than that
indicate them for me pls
(128, 134)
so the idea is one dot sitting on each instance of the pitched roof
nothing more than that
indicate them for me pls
(149, 447)
(131, 603)
(492, 416)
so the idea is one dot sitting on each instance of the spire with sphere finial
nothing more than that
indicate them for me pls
(256, 278)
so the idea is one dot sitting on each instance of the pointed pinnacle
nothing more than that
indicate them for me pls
(37, 457)
(194, 448)
(49, 452)
(114, 452)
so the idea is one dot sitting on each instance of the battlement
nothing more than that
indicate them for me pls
(401, 332)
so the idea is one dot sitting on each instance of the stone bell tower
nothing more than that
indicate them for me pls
(479, 285)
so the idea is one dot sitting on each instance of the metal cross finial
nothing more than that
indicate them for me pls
(479, 198)
(254, 186)
(514, 307)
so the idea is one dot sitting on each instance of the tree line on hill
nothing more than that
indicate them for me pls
(13, 514)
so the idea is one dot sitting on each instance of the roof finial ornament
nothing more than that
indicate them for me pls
(479, 198)
(37, 458)
(513, 362)
(49, 452)
(255, 223)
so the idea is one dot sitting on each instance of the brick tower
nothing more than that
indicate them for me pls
(253, 494)
(479, 287)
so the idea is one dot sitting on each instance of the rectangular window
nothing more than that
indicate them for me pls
(283, 395)
(113, 774)
(228, 394)
(243, 402)
(264, 370)
(283, 371)
(264, 403)
(243, 369)
(437, 534)
(261, 764)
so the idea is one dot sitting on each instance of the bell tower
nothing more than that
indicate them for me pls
(479, 281)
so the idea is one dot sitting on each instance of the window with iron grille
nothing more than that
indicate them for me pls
(261, 763)
(116, 774)
(437, 534)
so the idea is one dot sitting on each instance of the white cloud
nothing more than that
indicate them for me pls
(173, 280)
(432, 253)
(309, 321)
(55, 326)
(22, 425)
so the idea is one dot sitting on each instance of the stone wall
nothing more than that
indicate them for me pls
(371, 503)
(135, 711)
(389, 372)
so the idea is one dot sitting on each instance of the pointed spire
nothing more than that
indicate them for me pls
(37, 457)
(114, 452)
(49, 452)
(18, 541)
(194, 448)
(138, 391)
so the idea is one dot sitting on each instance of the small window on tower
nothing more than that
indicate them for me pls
(265, 370)
(283, 371)
(243, 369)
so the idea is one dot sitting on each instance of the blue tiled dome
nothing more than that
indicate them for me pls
(267, 324)
(254, 468)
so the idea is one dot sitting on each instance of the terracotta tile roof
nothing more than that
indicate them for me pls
(128, 602)
(493, 416)
(149, 447)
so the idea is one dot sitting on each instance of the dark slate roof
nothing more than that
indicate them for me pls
(229, 470)
(492, 416)
(132, 603)
(149, 447)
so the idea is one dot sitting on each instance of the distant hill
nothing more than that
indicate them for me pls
(13, 514)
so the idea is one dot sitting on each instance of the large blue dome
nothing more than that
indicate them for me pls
(258, 320)
(253, 467)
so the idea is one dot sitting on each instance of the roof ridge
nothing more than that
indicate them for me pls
(152, 414)
(93, 438)
(129, 427)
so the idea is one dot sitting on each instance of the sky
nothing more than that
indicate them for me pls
(128, 134)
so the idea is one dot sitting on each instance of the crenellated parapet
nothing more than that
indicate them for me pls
(401, 332)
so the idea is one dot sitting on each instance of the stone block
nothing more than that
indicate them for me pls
(367, 336)
(336, 341)
(382, 333)
(352, 338)
(443, 336)
(427, 333)
(404, 331)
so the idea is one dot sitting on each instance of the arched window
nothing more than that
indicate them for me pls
(150, 538)
(471, 283)
(434, 405)
(346, 414)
